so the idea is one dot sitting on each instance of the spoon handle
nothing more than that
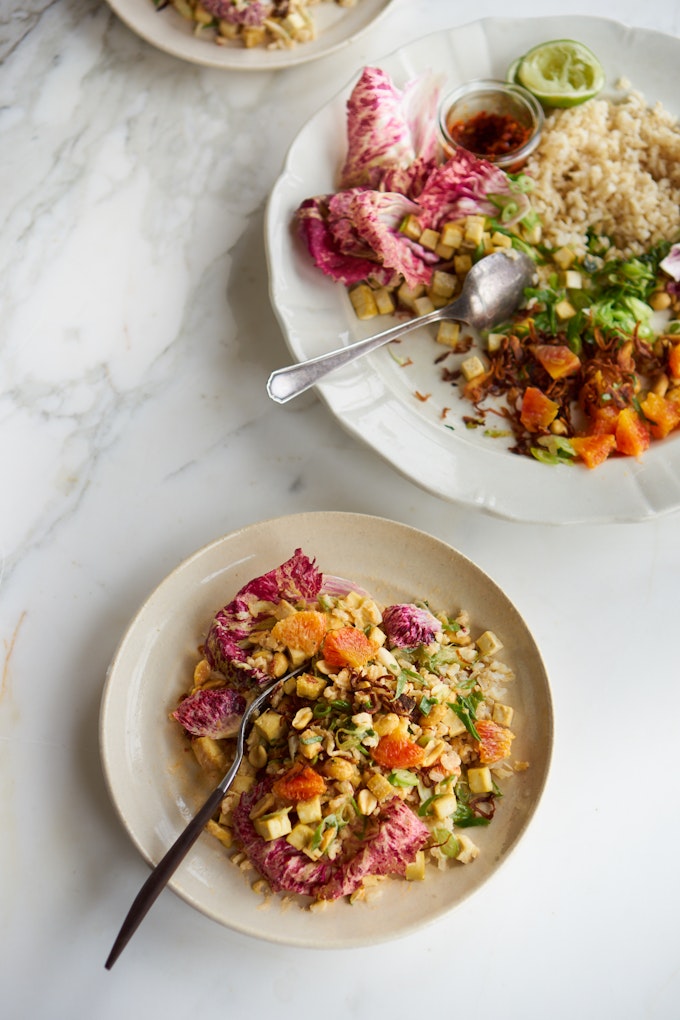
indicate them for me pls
(289, 382)
(168, 864)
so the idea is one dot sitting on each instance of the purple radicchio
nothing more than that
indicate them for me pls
(249, 13)
(395, 843)
(671, 263)
(360, 238)
(215, 713)
(389, 128)
(461, 187)
(293, 581)
(408, 626)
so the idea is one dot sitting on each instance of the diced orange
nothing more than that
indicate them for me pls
(632, 435)
(301, 782)
(348, 646)
(557, 359)
(593, 450)
(674, 361)
(303, 631)
(398, 752)
(538, 411)
(495, 741)
(603, 421)
(662, 415)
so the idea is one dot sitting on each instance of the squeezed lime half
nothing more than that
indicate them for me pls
(561, 73)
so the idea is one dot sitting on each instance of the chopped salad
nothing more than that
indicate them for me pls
(274, 24)
(379, 758)
(590, 365)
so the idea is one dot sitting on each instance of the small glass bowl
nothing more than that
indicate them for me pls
(493, 98)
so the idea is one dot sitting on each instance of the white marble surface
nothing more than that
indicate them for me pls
(135, 340)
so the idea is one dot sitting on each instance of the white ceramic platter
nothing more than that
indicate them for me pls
(169, 31)
(375, 399)
(156, 785)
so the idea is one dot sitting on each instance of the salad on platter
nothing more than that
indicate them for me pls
(379, 759)
(589, 366)
(272, 24)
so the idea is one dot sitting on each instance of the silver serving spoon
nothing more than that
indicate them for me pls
(167, 866)
(491, 292)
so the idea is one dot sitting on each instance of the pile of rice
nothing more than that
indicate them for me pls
(614, 166)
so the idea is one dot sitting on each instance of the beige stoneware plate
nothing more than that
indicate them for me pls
(156, 786)
(169, 31)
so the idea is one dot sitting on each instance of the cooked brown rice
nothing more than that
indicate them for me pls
(614, 166)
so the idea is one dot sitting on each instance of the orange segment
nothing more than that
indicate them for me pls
(538, 411)
(348, 647)
(593, 450)
(495, 741)
(397, 752)
(632, 435)
(303, 631)
(301, 782)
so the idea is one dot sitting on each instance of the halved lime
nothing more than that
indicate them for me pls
(560, 73)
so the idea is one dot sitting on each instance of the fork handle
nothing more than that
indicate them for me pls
(289, 382)
(168, 864)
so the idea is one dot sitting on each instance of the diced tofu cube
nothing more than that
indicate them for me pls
(252, 37)
(499, 240)
(462, 264)
(479, 780)
(444, 251)
(488, 643)
(411, 227)
(271, 725)
(472, 367)
(474, 229)
(273, 825)
(444, 806)
(564, 257)
(429, 239)
(468, 850)
(565, 309)
(310, 744)
(502, 714)
(309, 811)
(384, 301)
(210, 754)
(423, 305)
(533, 234)
(377, 636)
(309, 687)
(455, 725)
(363, 301)
(572, 279)
(415, 870)
(219, 832)
(300, 836)
(443, 283)
(451, 235)
(448, 333)
(406, 295)
(494, 341)
(380, 787)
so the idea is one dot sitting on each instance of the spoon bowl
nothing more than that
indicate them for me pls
(491, 292)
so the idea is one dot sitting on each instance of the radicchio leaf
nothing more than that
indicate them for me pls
(388, 127)
(408, 626)
(295, 580)
(212, 713)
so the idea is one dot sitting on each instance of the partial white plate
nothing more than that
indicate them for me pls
(157, 787)
(169, 31)
(375, 398)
